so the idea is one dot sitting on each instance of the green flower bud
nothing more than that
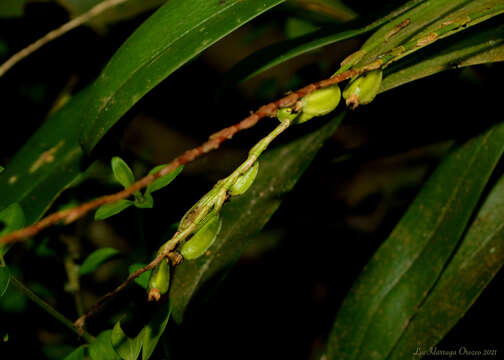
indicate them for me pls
(363, 89)
(243, 182)
(159, 281)
(320, 102)
(202, 239)
(286, 114)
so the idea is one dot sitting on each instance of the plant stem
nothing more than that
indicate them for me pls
(52, 311)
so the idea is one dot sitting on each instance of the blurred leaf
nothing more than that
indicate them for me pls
(4, 279)
(1, 169)
(142, 280)
(331, 9)
(144, 201)
(161, 182)
(246, 215)
(101, 348)
(12, 8)
(175, 34)
(124, 11)
(153, 331)
(404, 269)
(96, 259)
(295, 27)
(47, 163)
(77, 354)
(122, 172)
(107, 210)
(476, 262)
(11, 218)
(127, 348)
(279, 53)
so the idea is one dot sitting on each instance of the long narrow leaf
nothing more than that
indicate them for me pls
(401, 273)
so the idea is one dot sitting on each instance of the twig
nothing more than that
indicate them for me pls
(206, 203)
(52, 311)
(54, 34)
(69, 215)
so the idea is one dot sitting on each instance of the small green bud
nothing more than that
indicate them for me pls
(202, 239)
(286, 114)
(363, 89)
(320, 102)
(243, 182)
(159, 281)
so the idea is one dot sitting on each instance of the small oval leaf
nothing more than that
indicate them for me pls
(108, 210)
(163, 181)
(202, 240)
(122, 172)
(97, 258)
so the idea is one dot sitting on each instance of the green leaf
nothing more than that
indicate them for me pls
(47, 163)
(127, 348)
(476, 46)
(144, 201)
(122, 172)
(174, 34)
(1, 169)
(101, 348)
(477, 260)
(404, 269)
(4, 279)
(142, 280)
(12, 8)
(429, 17)
(108, 210)
(77, 354)
(124, 11)
(163, 181)
(246, 215)
(96, 259)
(11, 218)
(154, 330)
(279, 53)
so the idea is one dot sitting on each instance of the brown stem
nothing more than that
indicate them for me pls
(69, 215)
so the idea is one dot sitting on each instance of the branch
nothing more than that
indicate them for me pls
(54, 34)
(69, 215)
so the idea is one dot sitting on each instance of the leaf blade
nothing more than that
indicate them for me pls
(96, 259)
(167, 40)
(400, 274)
(107, 210)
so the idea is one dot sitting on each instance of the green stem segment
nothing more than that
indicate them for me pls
(52, 311)
(213, 200)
